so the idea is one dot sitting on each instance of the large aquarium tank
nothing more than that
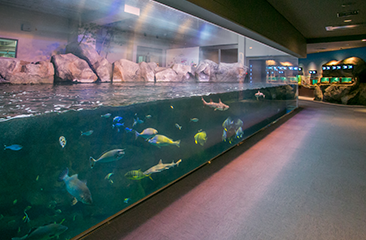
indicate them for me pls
(104, 103)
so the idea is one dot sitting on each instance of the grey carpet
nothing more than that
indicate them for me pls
(302, 178)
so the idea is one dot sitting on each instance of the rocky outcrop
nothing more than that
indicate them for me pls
(206, 71)
(231, 72)
(318, 94)
(20, 72)
(126, 71)
(183, 72)
(146, 71)
(70, 68)
(100, 65)
(166, 75)
(334, 93)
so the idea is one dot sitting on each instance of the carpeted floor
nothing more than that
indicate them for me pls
(302, 178)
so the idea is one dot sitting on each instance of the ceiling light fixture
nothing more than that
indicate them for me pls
(332, 28)
(348, 20)
(348, 13)
(363, 40)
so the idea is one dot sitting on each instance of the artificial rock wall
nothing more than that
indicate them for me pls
(82, 63)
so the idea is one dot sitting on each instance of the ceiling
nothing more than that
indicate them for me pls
(311, 17)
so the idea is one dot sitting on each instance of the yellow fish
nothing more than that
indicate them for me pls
(136, 175)
(62, 141)
(161, 140)
(200, 137)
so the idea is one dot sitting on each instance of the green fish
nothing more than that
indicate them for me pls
(200, 137)
(110, 156)
(193, 120)
(136, 175)
(87, 133)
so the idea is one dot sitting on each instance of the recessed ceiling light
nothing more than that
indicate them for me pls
(363, 40)
(250, 47)
(331, 28)
(348, 20)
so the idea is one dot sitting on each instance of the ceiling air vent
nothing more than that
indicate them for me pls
(348, 13)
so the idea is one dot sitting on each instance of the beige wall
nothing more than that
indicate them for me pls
(48, 33)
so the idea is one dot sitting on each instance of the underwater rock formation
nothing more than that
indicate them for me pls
(20, 72)
(125, 71)
(100, 65)
(335, 93)
(69, 67)
(146, 71)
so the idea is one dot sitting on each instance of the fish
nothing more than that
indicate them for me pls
(117, 119)
(161, 140)
(126, 200)
(107, 115)
(136, 175)
(227, 124)
(178, 126)
(238, 123)
(171, 106)
(87, 133)
(108, 176)
(216, 106)
(148, 116)
(62, 141)
(14, 147)
(194, 120)
(118, 126)
(45, 232)
(224, 136)
(76, 188)
(259, 94)
(110, 156)
(137, 121)
(239, 133)
(200, 137)
(161, 166)
(128, 129)
(146, 133)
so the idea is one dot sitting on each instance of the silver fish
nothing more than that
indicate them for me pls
(161, 166)
(107, 115)
(110, 156)
(75, 187)
(146, 133)
(44, 232)
(178, 126)
(216, 106)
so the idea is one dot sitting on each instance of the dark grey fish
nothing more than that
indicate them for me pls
(45, 232)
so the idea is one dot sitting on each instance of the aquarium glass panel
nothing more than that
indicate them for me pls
(108, 102)
(8, 48)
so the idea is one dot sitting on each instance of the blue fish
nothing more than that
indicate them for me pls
(128, 129)
(107, 115)
(137, 121)
(126, 200)
(118, 126)
(14, 147)
(117, 119)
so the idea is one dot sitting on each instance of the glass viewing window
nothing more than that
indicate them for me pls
(8, 48)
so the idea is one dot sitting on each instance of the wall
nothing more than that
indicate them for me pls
(186, 56)
(315, 61)
(48, 33)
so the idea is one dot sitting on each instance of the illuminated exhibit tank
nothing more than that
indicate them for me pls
(79, 167)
